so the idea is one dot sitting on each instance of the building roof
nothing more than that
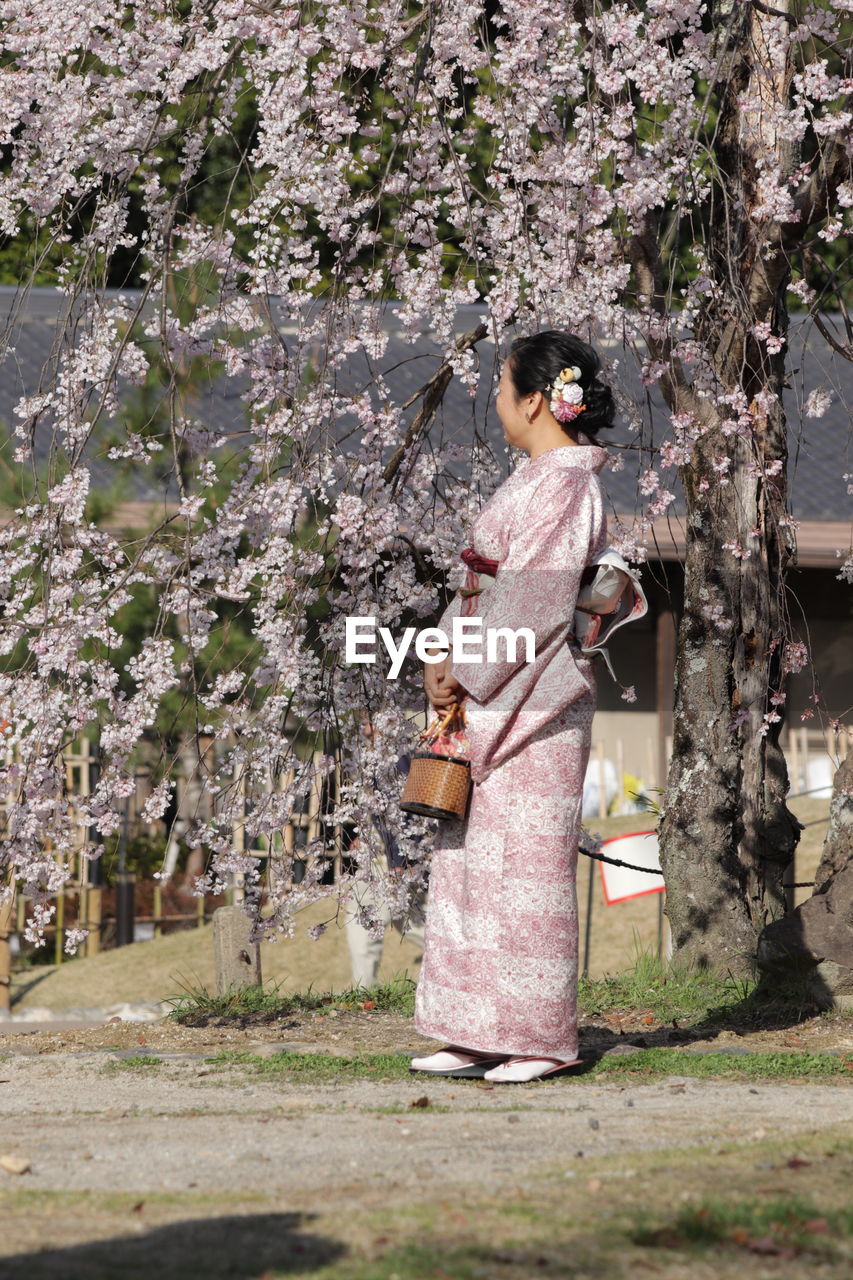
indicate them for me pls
(820, 449)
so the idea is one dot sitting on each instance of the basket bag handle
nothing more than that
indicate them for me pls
(443, 723)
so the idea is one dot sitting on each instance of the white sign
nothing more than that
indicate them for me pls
(640, 848)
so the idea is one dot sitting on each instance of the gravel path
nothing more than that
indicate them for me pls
(82, 1125)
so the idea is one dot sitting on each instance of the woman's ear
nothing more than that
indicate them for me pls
(533, 408)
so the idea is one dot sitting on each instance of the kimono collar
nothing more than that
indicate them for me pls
(589, 457)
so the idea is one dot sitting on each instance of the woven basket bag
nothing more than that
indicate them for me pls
(438, 784)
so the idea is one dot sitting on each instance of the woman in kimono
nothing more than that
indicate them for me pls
(498, 982)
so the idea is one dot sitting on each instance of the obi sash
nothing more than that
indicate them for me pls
(475, 565)
(479, 564)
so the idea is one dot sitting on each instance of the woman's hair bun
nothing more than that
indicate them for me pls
(535, 363)
(600, 408)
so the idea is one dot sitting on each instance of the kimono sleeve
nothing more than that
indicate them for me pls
(538, 580)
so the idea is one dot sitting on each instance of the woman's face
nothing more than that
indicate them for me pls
(511, 409)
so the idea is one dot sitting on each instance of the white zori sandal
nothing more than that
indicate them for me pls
(460, 1064)
(522, 1070)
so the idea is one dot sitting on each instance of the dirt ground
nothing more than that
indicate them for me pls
(378, 1031)
(188, 1169)
(184, 1168)
(191, 1168)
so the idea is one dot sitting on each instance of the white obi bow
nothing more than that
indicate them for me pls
(612, 599)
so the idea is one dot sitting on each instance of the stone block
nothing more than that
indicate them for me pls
(819, 929)
(830, 986)
(237, 960)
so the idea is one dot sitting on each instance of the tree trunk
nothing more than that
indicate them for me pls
(727, 835)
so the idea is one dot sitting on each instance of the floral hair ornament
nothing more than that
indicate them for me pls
(567, 395)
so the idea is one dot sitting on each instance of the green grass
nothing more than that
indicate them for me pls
(398, 1109)
(634, 1213)
(753, 1066)
(784, 1226)
(668, 991)
(778, 1229)
(438, 1260)
(673, 991)
(267, 1004)
(319, 1068)
(132, 1063)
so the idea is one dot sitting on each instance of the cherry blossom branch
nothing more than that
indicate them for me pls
(432, 393)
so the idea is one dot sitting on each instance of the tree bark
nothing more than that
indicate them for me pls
(727, 835)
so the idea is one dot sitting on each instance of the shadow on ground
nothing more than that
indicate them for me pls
(26, 987)
(245, 1246)
(764, 1009)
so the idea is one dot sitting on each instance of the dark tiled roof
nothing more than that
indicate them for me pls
(820, 448)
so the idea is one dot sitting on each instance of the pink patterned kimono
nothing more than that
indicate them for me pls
(500, 964)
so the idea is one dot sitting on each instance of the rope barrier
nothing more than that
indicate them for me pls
(616, 862)
(802, 884)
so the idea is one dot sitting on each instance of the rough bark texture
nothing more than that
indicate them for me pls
(727, 835)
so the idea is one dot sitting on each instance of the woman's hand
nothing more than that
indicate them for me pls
(441, 687)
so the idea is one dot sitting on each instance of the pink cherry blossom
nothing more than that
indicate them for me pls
(399, 171)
